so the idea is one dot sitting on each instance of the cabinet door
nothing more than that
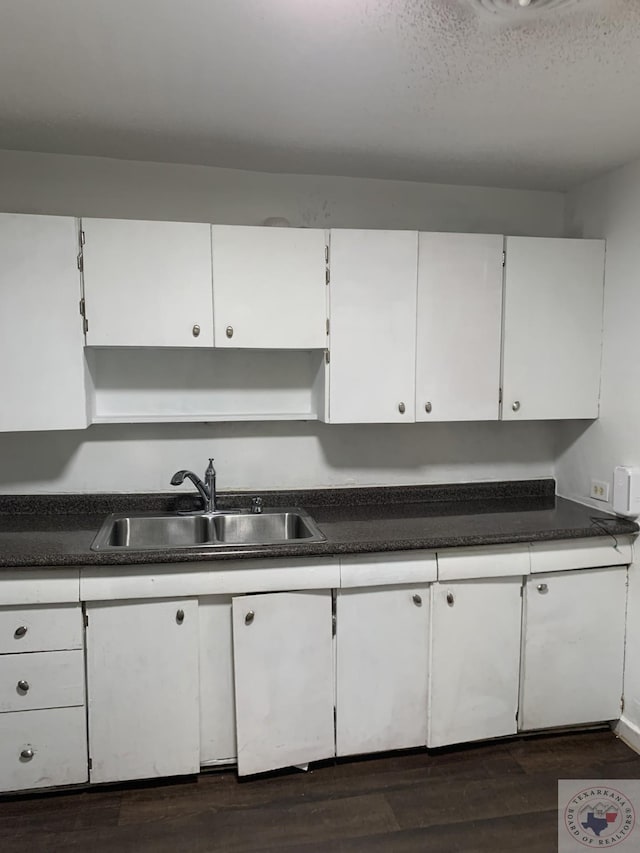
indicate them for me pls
(382, 662)
(142, 687)
(373, 326)
(459, 327)
(147, 284)
(475, 660)
(217, 700)
(269, 287)
(573, 648)
(552, 328)
(283, 654)
(42, 381)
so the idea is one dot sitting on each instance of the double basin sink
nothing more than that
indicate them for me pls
(218, 529)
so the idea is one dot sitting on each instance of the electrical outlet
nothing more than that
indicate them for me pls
(599, 490)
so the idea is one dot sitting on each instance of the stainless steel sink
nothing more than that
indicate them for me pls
(145, 532)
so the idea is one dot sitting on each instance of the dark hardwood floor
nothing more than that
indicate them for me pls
(493, 797)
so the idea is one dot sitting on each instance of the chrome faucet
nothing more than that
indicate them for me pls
(207, 489)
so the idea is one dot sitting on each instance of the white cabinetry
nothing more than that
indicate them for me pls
(42, 380)
(142, 685)
(147, 284)
(552, 328)
(573, 647)
(382, 665)
(459, 327)
(43, 730)
(475, 660)
(217, 701)
(373, 326)
(283, 659)
(269, 287)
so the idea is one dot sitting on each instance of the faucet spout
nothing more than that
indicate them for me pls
(180, 476)
(210, 485)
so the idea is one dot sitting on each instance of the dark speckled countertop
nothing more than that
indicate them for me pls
(57, 530)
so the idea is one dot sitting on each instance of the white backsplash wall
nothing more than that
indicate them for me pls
(255, 456)
(269, 455)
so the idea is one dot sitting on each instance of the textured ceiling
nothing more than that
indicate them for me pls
(429, 90)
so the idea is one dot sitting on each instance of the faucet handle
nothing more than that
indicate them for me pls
(256, 505)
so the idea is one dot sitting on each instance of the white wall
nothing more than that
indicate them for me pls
(610, 207)
(275, 455)
(95, 186)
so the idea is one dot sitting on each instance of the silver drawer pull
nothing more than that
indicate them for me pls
(180, 616)
(450, 599)
(20, 631)
(417, 600)
(23, 686)
(248, 619)
(27, 754)
(542, 588)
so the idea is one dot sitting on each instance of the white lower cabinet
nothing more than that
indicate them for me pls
(573, 647)
(39, 749)
(142, 689)
(475, 660)
(283, 660)
(381, 668)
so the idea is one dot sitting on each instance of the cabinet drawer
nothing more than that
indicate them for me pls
(40, 629)
(41, 680)
(43, 748)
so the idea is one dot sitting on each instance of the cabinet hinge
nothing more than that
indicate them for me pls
(82, 307)
(621, 704)
(327, 356)
(326, 254)
(328, 325)
(499, 395)
(82, 238)
(80, 262)
(86, 619)
(90, 764)
(504, 259)
(327, 276)
(85, 325)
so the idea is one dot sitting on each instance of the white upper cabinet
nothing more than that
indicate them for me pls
(42, 381)
(459, 327)
(269, 287)
(147, 284)
(552, 328)
(373, 326)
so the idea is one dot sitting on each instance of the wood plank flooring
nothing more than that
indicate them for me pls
(499, 796)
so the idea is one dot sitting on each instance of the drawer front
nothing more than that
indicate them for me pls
(40, 629)
(43, 748)
(41, 680)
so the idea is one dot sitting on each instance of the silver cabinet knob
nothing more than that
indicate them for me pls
(249, 617)
(417, 600)
(401, 408)
(450, 599)
(542, 588)
(196, 330)
(23, 685)
(229, 331)
(27, 754)
(516, 406)
(20, 631)
(427, 408)
(180, 616)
